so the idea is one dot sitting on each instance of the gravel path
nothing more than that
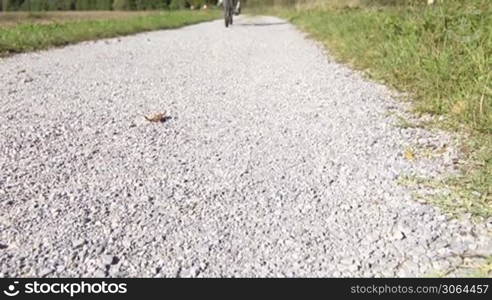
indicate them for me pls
(276, 161)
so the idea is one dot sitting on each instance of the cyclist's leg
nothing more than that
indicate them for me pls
(226, 12)
(231, 11)
(238, 7)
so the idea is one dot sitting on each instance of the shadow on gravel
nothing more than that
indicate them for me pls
(262, 24)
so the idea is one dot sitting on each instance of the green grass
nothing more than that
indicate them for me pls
(481, 268)
(35, 35)
(483, 271)
(471, 192)
(441, 56)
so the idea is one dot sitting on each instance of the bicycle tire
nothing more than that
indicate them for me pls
(228, 10)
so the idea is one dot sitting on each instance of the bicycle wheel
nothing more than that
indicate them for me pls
(226, 18)
(231, 14)
(227, 13)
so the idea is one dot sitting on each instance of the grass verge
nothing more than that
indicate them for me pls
(11, 18)
(441, 56)
(44, 31)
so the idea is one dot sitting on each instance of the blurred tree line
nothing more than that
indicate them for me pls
(40, 5)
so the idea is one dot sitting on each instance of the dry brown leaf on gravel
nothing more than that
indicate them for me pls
(157, 118)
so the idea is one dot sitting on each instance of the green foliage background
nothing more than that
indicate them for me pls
(48, 5)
